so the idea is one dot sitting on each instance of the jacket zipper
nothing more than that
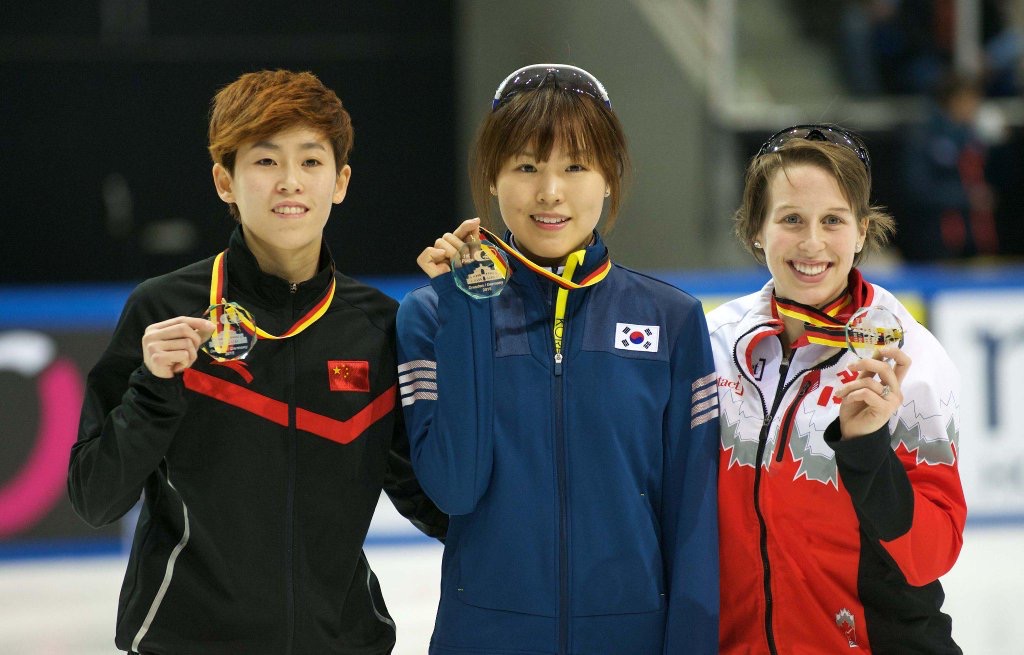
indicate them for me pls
(788, 417)
(563, 501)
(563, 510)
(290, 494)
(805, 388)
(762, 444)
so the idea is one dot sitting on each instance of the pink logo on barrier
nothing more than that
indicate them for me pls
(40, 481)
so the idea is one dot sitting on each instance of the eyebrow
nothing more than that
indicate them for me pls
(581, 156)
(846, 210)
(270, 145)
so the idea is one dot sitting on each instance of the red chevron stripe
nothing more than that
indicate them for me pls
(342, 432)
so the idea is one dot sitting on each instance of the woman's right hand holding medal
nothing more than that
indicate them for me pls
(171, 346)
(436, 260)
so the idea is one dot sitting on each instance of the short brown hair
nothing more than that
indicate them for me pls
(258, 105)
(538, 118)
(842, 163)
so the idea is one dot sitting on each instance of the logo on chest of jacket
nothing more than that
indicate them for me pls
(845, 623)
(736, 385)
(637, 337)
(348, 375)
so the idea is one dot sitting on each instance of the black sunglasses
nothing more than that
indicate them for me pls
(561, 76)
(822, 132)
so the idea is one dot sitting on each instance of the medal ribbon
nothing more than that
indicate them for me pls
(826, 326)
(562, 281)
(562, 297)
(218, 284)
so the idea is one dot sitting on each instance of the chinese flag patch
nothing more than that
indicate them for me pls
(348, 375)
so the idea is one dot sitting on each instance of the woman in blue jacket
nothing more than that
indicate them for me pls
(567, 425)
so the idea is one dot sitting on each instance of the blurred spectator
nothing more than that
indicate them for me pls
(951, 204)
(895, 46)
(1005, 172)
(1003, 49)
(905, 46)
(929, 28)
(869, 34)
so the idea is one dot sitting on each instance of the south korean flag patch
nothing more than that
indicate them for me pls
(637, 337)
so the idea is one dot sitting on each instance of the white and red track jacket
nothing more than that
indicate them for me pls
(830, 545)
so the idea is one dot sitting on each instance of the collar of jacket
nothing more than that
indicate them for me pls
(246, 278)
(596, 253)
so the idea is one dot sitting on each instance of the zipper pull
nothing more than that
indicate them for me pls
(294, 287)
(805, 388)
(558, 364)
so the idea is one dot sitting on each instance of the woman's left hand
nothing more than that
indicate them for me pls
(870, 400)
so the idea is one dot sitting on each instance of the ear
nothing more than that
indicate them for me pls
(223, 183)
(494, 190)
(341, 184)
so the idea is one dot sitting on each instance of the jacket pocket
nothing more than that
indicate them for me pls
(508, 560)
(617, 559)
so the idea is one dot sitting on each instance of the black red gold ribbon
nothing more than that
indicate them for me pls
(594, 277)
(218, 285)
(827, 326)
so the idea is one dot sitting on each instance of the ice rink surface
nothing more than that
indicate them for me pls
(67, 606)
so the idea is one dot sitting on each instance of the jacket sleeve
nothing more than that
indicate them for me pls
(445, 380)
(129, 419)
(690, 493)
(404, 489)
(904, 481)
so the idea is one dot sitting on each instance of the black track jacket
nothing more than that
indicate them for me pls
(259, 478)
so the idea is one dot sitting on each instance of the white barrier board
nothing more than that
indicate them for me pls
(983, 331)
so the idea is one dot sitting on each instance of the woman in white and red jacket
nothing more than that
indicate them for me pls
(840, 502)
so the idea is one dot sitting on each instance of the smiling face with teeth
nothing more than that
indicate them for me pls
(810, 235)
(551, 207)
(284, 186)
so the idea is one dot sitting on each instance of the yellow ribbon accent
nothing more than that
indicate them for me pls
(562, 296)
(217, 289)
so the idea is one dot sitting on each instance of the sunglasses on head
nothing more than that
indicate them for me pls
(829, 133)
(562, 76)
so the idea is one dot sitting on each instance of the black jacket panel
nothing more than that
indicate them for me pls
(259, 477)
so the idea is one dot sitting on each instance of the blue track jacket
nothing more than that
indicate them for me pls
(582, 494)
